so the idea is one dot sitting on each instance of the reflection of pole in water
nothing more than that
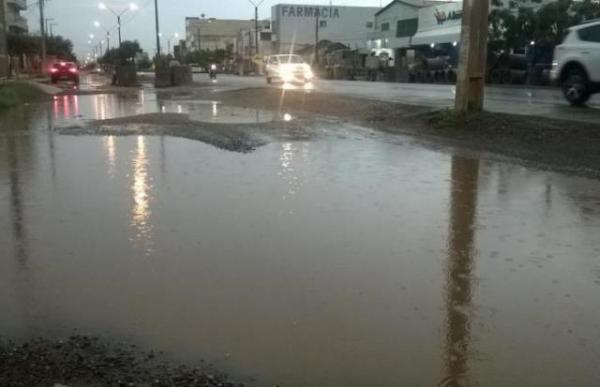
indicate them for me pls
(16, 203)
(51, 147)
(463, 208)
(163, 159)
(23, 280)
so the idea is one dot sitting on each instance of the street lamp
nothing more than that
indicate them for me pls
(97, 24)
(256, 5)
(132, 7)
(175, 36)
(157, 27)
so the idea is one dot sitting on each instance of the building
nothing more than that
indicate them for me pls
(439, 24)
(405, 23)
(296, 26)
(15, 22)
(248, 56)
(3, 46)
(213, 34)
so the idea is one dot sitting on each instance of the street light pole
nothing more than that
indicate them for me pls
(119, 27)
(132, 7)
(256, 5)
(43, 31)
(98, 25)
(157, 29)
(48, 20)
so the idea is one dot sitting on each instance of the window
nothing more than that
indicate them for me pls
(323, 23)
(385, 26)
(590, 34)
(265, 36)
(407, 28)
(369, 25)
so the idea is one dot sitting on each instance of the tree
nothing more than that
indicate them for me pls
(61, 47)
(124, 54)
(518, 24)
(143, 61)
(206, 57)
(20, 44)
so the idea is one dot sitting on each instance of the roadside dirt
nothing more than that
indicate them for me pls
(546, 143)
(82, 361)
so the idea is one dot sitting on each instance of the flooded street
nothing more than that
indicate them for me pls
(349, 259)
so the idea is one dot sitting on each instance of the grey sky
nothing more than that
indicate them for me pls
(75, 18)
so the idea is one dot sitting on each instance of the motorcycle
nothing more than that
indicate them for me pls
(212, 72)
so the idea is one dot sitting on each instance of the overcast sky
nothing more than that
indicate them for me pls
(75, 18)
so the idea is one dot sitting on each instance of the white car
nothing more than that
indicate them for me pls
(287, 68)
(576, 65)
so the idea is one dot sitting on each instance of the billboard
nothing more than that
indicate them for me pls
(440, 16)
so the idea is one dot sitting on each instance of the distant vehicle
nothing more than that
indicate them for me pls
(288, 69)
(64, 70)
(212, 71)
(576, 65)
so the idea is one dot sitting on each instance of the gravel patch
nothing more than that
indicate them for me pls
(82, 361)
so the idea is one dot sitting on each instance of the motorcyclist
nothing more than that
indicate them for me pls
(212, 71)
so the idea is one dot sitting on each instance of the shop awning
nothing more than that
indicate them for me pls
(437, 35)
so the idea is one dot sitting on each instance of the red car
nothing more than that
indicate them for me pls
(65, 70)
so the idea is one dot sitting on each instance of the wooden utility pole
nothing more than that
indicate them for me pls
(470, 86)
(43, 31)
(317, 25)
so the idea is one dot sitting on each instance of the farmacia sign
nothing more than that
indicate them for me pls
(306, 11)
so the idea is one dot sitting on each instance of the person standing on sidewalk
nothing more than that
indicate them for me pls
(372, 64)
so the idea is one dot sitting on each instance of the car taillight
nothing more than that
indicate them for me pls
(53, 70)
(73, 70)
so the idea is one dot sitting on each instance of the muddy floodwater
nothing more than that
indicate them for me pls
(348, 260)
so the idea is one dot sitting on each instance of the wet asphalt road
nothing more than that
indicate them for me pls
(348, 260)
(547, 102)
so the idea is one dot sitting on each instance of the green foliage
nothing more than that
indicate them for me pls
(515, 26)
(207, 57)
(143, 61)
(122, 55)
(61, 47)
(20, 44)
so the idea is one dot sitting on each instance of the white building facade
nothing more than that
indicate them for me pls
(213, 34)
(299, 25)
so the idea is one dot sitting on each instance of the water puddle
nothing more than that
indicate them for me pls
(72, 108)
(341, 262)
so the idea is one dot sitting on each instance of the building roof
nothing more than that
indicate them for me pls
(413, 3)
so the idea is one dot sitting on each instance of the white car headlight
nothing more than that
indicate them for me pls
(286, 75)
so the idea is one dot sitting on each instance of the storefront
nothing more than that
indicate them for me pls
(296, 26)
